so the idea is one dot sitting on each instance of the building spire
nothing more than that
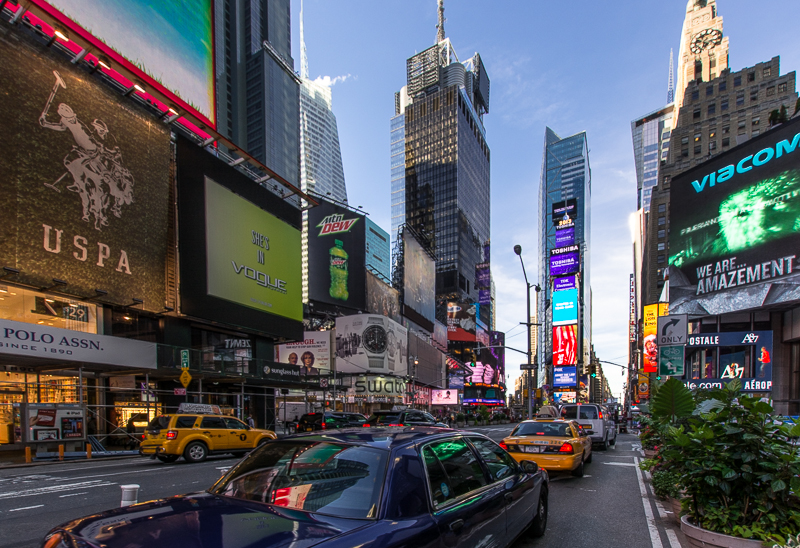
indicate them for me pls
(303, 56)
(440, 24)
(671, 83)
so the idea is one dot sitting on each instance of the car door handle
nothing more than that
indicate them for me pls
(509, 498)
(457, 525)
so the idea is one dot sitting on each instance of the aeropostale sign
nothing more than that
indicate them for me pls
(32, 341)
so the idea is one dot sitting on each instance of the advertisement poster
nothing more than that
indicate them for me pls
(565, 307)
(564, 283)
(735, 235)
(565, 345)
(455, 373)
(497, 342)
(483, 276)
(419, 278)
(650, 343)
(253, 257)
(336, 256)
(564, 376)
(312, 354)
(736, 350)
(567, 396)
(371, 343)
(378, 255)
(54, 422)
(565, 236)
(565, 211)
(86, 198)
(461, 324)
(482, 374)
(565, 260)
(382, 299)
(444, 397)
(439, 337)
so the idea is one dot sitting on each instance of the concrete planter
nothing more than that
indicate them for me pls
(649, 453)
(460, 424)
(674, 505)
(470, 423)
(701, 538)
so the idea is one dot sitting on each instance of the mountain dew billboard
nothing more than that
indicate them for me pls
(735, 228)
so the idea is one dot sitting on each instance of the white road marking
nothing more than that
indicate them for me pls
(655, 538)
(72, 495)
(661, 512)
(26, 508)
(55, 489)
(673, 539)
(620, 463)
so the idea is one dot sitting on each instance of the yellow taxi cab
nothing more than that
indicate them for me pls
(195, 435)
(553, 444)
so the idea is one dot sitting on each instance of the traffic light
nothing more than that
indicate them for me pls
(658, 377)
(593, 370)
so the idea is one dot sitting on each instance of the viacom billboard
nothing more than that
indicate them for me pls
(734, 231)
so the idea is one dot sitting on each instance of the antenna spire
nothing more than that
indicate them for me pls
(671, 83)
(303, 56)
(440, 24)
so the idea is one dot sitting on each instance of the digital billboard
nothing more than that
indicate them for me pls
(382, 299)
(253, 258)
(439, 336)
(461, 324)
(565, 236)
(444, 397)
(336, 256)
(564, 283)
(170, 44)
(650, 330)
(85, 182)
(565, 376)
(565, 260)
(483, 276)
(378, 252)
(565, 307)
(419, 278)
(565, 211)
(497, 343)
(745, 355)
(371, 343)
(565, 345)
(312, 354)
(733, 227)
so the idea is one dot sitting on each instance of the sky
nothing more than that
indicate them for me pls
(574, 66)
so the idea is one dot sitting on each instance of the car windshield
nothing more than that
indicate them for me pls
(588, 412)
(393, 418)
(555, 429)
(327, 478)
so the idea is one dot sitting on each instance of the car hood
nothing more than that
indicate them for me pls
(203, 520)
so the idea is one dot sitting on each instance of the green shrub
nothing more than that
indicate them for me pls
(665, 484)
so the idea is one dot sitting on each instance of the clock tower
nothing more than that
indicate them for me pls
(704, 48)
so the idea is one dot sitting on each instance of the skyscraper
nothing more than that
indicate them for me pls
(565, 180)
(258, 93)
(440, 162)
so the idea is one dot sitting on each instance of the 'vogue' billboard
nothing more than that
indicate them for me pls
(84, 181)
(733, 228)
(419, 278)
(336, 256)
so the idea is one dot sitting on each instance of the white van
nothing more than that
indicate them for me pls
(595, 417)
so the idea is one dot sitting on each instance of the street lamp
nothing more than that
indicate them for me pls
(528, 324)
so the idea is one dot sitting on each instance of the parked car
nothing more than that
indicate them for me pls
(553, 444)
(383, 487)
(329, 420)
(195, 436)
(594, 417)
(406, 417)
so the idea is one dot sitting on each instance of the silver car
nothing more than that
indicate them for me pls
(594, 417)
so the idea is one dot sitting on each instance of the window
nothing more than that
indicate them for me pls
(712, 134)
(500, 464)
(695, 94)
(740, 99)
(782, 87)
(756, 132)
(212, 422)
(723, 104)
(662, 233)
(453, 470)
(754, 94)
(723, 86)
(770, 91)
(756, 121)
(726, 142)
(696, 114)
(660, 259)
(709, 90)
(737, 81)
(698, 149)
(726, 130)
(712, 146)
(751, 76)
(661, 246)
(235, 424)
(698, 137)
(662, 208)
(712, 109)
(662, 221)
(185, 422)
(767, 72)
(685, 152)
(685, 140)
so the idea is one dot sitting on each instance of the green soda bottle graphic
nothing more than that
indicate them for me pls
(338, 272)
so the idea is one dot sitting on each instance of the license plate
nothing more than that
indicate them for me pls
(541, 442)
(531, 449)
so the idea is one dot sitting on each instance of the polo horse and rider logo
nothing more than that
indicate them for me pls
(94, 163)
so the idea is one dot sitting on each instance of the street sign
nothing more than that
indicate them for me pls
(186, 378)
(179, 391)
(184, 359)
(670, 360)
(672, 330)
(527, 367)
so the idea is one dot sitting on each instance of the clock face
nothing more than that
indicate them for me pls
(705, 39)
(375, 339)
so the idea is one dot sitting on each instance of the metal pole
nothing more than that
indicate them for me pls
(528, 325)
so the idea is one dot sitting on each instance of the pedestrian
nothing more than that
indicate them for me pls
(250, 422)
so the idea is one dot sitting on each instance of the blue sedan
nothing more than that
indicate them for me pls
(380, 487)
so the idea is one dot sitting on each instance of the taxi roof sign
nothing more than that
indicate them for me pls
(201, 408)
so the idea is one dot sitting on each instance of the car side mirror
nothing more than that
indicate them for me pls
(529, 466)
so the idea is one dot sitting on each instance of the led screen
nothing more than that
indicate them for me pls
(565, 345)
(382, 299)
(170, 42)
(565, 212)
(650, 329)
(461, 324)
(566, 282)
(565, 236)
(444, 397)
(483, 276)
(565, 307)
(419, 278)
(564, 260)
(564, 376)
(734, 232)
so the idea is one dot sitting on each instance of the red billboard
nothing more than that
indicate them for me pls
(565, 345)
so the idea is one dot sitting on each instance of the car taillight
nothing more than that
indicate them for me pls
(504, 446)
(601, 414)
(566, 448)
(395, 425)
(366, 425)
(324, 425)
(171, 434)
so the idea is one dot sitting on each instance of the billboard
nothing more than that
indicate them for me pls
(733, 227)
(368, 343)
(85, 182)
(382, 299)
(733, 363)
(336, 256)
(632, 313)
(378, 252)
(483, 276)
(312, 354)
(419, 278)
(650, 331)
(565, 307)
(565, 376)
(455, 372)
(444, 397)
(565, 282)
(170, 43)
(253, 258)
(565, 211)
(564, 260)
(439, 337)
(565, 345)
(461, 324)
(497, 343)
(565, 236)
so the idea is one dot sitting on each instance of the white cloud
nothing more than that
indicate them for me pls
(328, 81)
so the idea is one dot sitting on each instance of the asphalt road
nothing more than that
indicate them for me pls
(605, 508)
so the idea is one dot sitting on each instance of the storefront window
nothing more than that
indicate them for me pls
(223, 352)
(702, 363)
(735, 362)
(24, 305)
